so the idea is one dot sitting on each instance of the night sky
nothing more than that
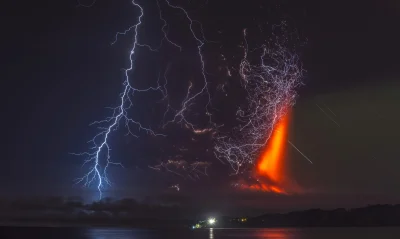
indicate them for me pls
(60, 72)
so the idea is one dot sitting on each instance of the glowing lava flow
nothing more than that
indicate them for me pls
(270, 168)
(271, 163)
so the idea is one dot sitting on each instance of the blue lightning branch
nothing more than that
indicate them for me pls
(165, 31)
(96, 171)
(179, 115)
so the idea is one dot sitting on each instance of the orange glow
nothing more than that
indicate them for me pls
(274, 233)
(270, 167)
(271, 163)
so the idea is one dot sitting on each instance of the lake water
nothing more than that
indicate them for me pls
(281, 233)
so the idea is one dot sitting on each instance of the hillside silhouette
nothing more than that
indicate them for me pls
(58, 211)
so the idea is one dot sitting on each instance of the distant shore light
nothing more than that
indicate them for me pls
(211, 221)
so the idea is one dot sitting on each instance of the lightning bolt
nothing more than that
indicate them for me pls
(179, 115)
(99, 155)
(164, 30)
(100, 163)
(184, 169)
(270, 87)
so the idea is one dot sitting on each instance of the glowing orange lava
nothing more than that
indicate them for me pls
(271, 163)
(270, 168)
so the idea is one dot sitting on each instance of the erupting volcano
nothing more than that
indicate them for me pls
(270, 170)
(271, 166)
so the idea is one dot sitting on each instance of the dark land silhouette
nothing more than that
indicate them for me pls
(57, 211)
(374, 215)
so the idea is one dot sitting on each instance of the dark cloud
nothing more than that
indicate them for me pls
(61, 71)
(359, 155)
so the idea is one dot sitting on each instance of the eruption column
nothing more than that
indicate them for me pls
(271, 163)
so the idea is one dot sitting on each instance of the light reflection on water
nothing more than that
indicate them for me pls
(277, 233)
(260, 233)
(216, 233)
(95, 233)
(273, 233)
(103, 233)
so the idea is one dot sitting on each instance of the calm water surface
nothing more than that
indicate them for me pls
(282, 233)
